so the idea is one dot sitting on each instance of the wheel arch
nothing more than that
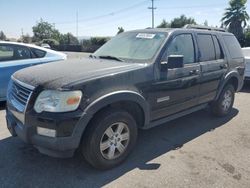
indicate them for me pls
(120, 97)
(233, 78)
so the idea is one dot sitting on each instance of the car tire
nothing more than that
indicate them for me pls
(223, 106)
(109, 138)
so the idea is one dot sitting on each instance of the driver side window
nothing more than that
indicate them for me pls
(182, 45)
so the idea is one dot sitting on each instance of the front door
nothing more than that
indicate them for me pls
(177, 89)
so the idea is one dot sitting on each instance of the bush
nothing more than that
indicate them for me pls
(68, 47)
(51, 42)
(92, 44)
(247, 39)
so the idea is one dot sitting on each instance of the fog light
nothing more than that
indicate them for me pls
(46, 132)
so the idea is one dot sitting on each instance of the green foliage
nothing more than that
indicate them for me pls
(236, 17)
(120, 30)
(93, 43)
(51, 42)
(44, 30)
(164, 24)
(181, 21)
(2, 36)
(99, 40)
(26, 38)
(247, 39)
(68, 39)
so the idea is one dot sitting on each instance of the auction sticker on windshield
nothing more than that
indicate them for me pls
(145, 35)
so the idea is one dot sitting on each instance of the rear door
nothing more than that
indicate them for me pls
(213, 65)
(13, 58)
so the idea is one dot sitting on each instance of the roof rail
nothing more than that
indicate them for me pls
(190, 26)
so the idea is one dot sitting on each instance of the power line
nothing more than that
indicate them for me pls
(152, 8)
(105, 15)
(194, 6)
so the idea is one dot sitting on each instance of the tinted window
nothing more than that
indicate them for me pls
(233, 46)
(182, 45)
(206, 47)
(38, 53)
(218, 50)
(22, 52)
(6, 53)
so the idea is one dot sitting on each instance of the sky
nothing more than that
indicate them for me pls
(102, 17)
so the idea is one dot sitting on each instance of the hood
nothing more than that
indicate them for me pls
(58, 74)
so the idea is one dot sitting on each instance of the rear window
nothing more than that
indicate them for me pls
(206, 47)
(233, 46)
(38, 53)
(6, 53)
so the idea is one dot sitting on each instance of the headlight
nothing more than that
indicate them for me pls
(57, 101)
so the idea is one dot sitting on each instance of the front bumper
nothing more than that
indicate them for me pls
(59, 146)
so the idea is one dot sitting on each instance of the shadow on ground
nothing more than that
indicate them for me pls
(2, 105)
(21, 164)
(246, 87)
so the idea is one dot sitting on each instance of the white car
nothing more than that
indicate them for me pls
(246, 52)
(15, 56)
(45, 45)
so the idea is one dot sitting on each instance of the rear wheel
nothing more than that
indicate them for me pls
(224, 104)
(109, 139)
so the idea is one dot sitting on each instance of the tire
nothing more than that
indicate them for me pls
(102, 146)
(223, 106)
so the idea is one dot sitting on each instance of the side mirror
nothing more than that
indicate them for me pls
(174, 61)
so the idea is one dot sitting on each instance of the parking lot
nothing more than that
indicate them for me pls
(197, 150)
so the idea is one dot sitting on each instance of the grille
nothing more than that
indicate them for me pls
(19, 94)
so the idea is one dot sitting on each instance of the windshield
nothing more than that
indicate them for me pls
(132, 45)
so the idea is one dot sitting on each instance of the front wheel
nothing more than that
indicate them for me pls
(223, 106)
(109, 139)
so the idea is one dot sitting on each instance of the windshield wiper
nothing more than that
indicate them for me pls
(110, 57)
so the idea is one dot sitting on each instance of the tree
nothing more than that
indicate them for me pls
(120, 30)
(26, 38)
(2, 36)
(181, 21)
(247, 39)
(51, 42)
(44, 30)
(68, 39)
(205, 23)
(164, 24)
(235, 18)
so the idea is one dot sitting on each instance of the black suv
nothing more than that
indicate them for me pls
(137, 80)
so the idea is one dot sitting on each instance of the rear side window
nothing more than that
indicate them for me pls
(206, 47)
(22, 52)
(6, 53)
(218, 50)
(233, 46)
(38, 53)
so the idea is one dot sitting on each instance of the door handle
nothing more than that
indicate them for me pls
(194, 72)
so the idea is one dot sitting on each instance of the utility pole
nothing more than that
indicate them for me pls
(153, 13)
(22, 34)
(77, 25)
